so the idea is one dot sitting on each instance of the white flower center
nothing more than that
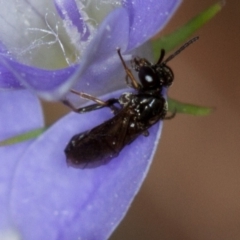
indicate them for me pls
(35, 34)
(10, 234)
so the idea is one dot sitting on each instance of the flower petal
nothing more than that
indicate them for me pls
(66, 203)
(69, 11)
(94, 70)
(147, 18)
(20, 112)
(101, 69)
(44, 82)
(7, 78)
(34, 78)
(28, 28)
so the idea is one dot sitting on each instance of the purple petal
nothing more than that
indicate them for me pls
(44, 82)
(8, 80)
(68, 10)
(147, 18)
(20, 112)
(62, 203)
(101, 69)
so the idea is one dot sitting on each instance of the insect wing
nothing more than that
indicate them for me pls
(104, 142)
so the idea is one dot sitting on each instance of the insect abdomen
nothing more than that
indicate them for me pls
(87, 150)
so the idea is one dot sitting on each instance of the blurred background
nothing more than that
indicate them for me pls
(192, 191)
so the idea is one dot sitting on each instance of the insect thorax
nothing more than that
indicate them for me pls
(147, 108)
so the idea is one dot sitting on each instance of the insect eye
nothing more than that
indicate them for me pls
(148, 77)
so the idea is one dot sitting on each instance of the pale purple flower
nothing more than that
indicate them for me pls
(40, 197)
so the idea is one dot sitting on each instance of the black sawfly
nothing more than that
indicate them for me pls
(137, 113)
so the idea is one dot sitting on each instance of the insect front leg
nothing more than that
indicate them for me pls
(133, 82)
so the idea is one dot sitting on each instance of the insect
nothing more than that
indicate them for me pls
(137, 113)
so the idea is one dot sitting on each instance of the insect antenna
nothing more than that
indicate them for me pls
(161, 56)
(179, 50)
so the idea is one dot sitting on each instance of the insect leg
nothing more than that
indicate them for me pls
(99, 103)
(89, 97)
(145, 133)
(171, 116)
(134, 83)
